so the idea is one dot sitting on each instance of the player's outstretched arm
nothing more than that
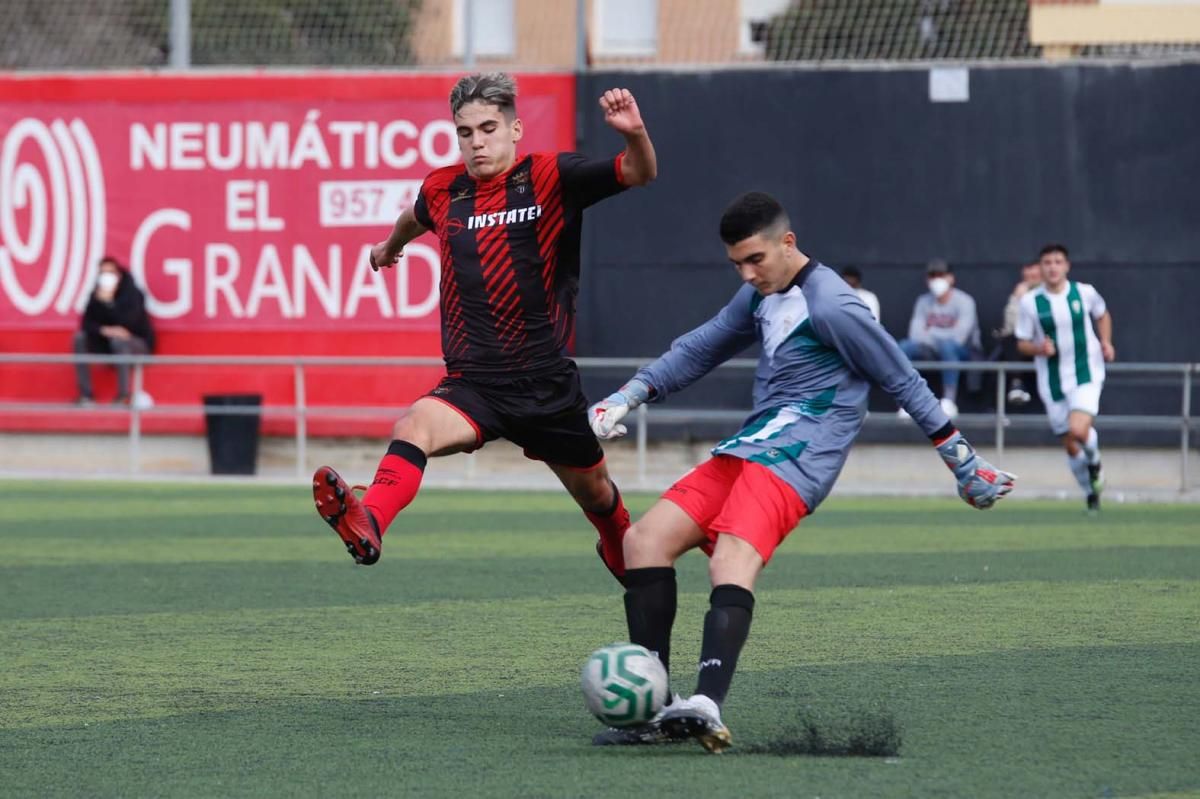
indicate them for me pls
(691, 356)
(639, 165)
(845, 324)
(387, 252)
(606, 415)
(1104, 333)
(980, 484)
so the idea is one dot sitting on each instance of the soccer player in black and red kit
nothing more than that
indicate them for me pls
(508, 228)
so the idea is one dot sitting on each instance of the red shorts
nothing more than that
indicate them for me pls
(742, 498)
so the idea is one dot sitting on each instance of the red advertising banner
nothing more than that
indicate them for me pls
(245, 205)
(239, 202)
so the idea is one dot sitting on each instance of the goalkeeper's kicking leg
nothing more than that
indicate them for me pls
(735, 566)
(743, 526)
(723, 494)
(651, 547)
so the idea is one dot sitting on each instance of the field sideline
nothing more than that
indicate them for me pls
(173, 640)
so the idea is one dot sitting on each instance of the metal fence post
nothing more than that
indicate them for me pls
(135, 420)
(468, 7)
(1185, 434)
(1001, 409)
(643, 419)
(580, 35)
(181, 34)
(301, 420)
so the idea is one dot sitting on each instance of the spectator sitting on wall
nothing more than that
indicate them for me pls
(854, 278)
(944, 327)
(115, 322)
(1031, 277)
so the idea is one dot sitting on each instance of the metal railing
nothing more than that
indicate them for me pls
(301, 411)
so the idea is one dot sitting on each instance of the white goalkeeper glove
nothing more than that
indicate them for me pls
(980, 484)
(606, 415)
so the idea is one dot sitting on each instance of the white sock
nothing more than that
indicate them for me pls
(1091, 447)
(1079, 467)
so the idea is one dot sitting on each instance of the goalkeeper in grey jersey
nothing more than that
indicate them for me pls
(820, 350)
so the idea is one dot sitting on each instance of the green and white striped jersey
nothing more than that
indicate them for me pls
(1067, 319)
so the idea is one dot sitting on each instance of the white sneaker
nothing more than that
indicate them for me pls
(697, 717)
(1019, 396)
(949, 407)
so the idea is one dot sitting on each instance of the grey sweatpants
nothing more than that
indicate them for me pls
(85, 344)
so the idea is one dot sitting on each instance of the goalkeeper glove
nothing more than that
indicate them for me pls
(606, 415)
(980, 484)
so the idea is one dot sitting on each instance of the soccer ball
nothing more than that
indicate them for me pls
(624, 684)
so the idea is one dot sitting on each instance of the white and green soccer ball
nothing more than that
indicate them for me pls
(624, 684)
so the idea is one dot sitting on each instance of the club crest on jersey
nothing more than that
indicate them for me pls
(510, 217)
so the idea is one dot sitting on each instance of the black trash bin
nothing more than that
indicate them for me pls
(233, 436)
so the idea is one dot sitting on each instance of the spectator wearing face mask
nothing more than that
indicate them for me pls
(944, 327)
(115, 322)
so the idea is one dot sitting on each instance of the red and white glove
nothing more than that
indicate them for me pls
(980, 484)
(606, 415)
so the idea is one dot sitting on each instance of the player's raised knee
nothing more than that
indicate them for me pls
(594, 490)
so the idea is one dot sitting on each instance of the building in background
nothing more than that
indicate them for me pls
(544, 33)
(1072, 28)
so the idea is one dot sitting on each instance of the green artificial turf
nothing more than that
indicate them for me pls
(163, 640)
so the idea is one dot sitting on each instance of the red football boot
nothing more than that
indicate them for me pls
(344, 512)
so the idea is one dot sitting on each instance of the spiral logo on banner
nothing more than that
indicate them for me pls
(62, 209)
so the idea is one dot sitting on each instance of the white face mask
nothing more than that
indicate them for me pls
(939, 286)
(107, 282)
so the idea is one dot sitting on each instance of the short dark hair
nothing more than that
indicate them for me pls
(1053, 247)
(938, 266)
(491, 88)
(852, 271)
(751, 213)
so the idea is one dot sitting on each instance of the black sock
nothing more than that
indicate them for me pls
(726, 626)
(650, 609)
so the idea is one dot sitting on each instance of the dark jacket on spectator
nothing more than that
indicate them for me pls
(127, 309)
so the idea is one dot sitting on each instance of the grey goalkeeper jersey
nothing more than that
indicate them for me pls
(821, 349)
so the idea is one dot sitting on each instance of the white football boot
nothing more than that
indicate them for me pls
(697, 717)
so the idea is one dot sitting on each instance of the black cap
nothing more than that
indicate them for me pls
(938, 266)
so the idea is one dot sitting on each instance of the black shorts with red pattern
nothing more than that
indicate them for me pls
(545, 414)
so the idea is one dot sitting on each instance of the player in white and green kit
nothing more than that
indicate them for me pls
(1066, 327)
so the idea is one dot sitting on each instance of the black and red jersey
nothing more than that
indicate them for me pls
(510, 257)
